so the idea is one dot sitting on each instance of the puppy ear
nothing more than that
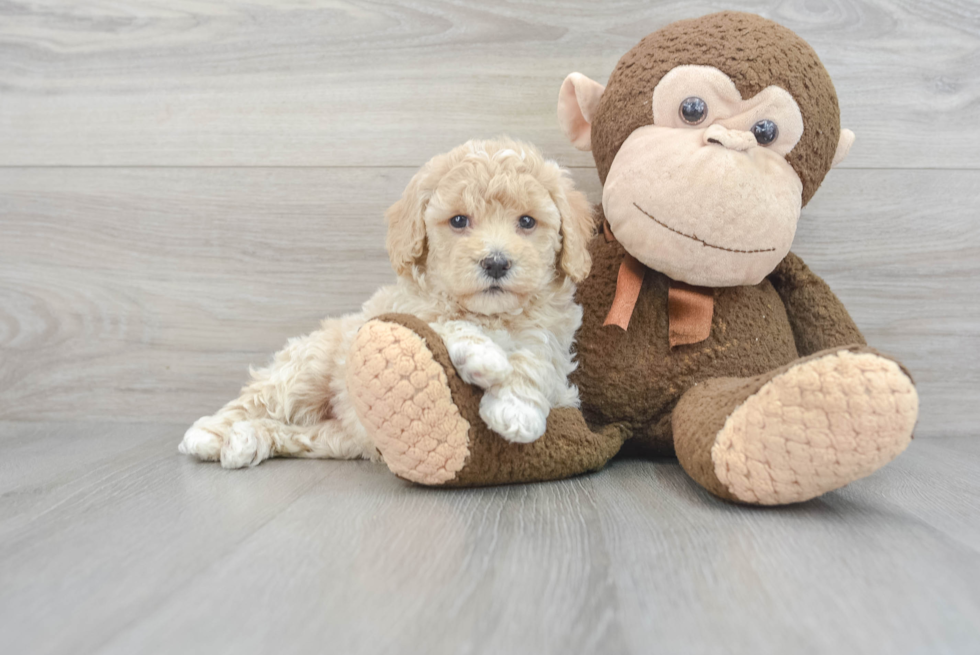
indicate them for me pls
(577, 229)
(406, 225)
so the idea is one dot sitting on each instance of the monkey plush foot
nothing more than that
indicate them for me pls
(402, 397)
(425, 420)
(799, 432)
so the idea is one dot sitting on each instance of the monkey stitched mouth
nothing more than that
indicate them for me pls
(693, 237)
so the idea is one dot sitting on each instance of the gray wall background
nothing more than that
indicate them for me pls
(185, 185)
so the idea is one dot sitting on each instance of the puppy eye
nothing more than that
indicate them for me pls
(693, 110)
(526, 222)
(765, 132)
(459, 222)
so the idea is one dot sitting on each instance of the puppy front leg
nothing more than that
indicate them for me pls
(476, 357)
(515, 404)
(517, 408)
(520, 417)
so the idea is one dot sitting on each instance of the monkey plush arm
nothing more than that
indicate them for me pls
(818, 317)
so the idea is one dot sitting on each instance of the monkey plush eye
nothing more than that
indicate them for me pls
(459, 221)
(765, 132)
(526, 222)
(693, 110)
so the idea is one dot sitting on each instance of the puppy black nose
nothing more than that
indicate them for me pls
(496, 265)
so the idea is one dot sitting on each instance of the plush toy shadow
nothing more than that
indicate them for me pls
(703, 335)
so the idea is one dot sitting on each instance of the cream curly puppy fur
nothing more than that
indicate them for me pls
(488, 242)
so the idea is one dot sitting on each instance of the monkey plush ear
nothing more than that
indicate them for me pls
(843, 147)
(406, 224)
(578, 100)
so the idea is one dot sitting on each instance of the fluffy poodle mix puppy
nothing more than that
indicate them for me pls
(488, 242)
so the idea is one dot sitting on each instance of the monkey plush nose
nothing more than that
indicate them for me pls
(496, 265)
(732, 139)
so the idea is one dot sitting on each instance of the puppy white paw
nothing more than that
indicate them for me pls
(201, 443)
(512, 418)
(245, 446)
(482, 364)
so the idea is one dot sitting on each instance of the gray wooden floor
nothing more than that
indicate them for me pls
(111, 544)
(184, 185)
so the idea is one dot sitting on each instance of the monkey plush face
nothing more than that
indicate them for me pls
(709, 139)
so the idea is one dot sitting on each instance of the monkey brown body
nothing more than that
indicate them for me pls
(709, 138)
(633, 376)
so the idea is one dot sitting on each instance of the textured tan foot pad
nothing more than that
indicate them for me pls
(402, 396)
(815, 428)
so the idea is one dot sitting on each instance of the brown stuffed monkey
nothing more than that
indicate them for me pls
(703, 335)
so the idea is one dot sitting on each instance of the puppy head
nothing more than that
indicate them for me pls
(491, 224)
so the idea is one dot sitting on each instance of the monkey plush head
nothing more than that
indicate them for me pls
(709, 138)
